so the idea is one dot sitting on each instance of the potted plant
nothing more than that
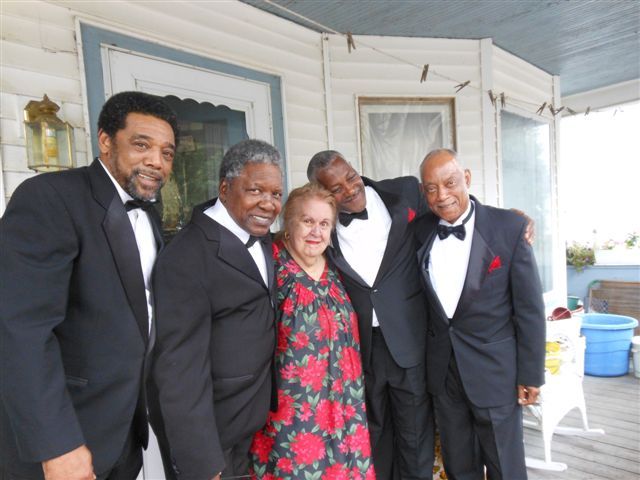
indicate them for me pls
(625, 252)
(580, 255)
(632, 240)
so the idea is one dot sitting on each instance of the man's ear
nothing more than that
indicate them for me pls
(223, 190)
(104, 142)
(467, 177)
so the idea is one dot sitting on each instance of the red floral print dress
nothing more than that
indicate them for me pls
(320, 429)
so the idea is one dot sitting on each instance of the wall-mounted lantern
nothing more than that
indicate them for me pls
(49, 140)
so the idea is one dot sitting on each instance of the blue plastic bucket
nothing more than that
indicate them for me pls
(608, 343)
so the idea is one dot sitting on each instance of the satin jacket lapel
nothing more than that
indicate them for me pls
(335, 255)
(122, 242)
(230, 249)
(479, 259)
(398, 212)
(156, 226)
(423, 261)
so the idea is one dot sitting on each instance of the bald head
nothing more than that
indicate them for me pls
(439, 153)
(446, 184)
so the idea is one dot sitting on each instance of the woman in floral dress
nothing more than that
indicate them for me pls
(320, 430)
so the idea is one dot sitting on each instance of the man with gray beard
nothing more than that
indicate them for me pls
(77, 252)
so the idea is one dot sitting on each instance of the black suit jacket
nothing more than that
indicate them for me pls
(498, 329)
(73, 321)
(396, 293)
(215, 344)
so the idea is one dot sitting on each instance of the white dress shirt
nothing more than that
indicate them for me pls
(219, 213)
(363, 242)
(146, 241)
(448, 262)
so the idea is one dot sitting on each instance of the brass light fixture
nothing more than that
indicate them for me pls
(50, 145)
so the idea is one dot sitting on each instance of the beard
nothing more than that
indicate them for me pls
(130, 183)
(131, 187)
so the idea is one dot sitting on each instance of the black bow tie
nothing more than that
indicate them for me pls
(252, 239)
(458, 231)
(346, 218)
(143, 204)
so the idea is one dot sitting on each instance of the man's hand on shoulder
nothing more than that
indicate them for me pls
(74, 465)
(530, 231)
(527, 395)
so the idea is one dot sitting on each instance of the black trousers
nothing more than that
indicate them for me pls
(399, 413)
(473, 438)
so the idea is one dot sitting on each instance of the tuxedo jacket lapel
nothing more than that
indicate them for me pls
(156, 226)
(230, 248)
(479, 258)
(399, 221)
(235, 254)
(122, 242)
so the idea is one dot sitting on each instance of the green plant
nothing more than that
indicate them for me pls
(632, 240)
(580, 256)
(608, 245)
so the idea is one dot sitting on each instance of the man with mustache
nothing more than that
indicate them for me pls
(486, 333)
(375, 250)
(77, 252)
(216, 337)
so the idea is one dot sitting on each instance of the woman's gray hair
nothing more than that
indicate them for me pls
(248, 151)
(320, 161)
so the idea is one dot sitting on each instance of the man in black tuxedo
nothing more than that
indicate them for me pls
(374, 248)
(77, 252)
(486, 336)
(216, 337)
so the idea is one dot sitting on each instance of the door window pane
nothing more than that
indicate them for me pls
(206, 133)
(526, 173)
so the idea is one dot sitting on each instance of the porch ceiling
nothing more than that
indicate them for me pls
(589, 43)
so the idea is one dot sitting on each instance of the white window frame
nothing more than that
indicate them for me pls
(557, 294)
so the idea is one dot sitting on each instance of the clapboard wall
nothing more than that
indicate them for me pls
(40, 54)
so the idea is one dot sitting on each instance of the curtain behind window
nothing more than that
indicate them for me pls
(396, 137)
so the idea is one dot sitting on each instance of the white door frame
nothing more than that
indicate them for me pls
(129, 70)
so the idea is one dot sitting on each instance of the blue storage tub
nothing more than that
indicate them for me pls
(608, 343)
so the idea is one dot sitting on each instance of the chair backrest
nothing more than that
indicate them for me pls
(568, 327)
(565, 349)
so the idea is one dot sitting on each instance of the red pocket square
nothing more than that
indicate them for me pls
(495, 264)
(411, 214)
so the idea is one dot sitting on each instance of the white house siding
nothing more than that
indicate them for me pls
(367, 72)
(524, 84)
(40, 55)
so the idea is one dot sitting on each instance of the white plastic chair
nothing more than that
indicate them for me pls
(562, 391)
